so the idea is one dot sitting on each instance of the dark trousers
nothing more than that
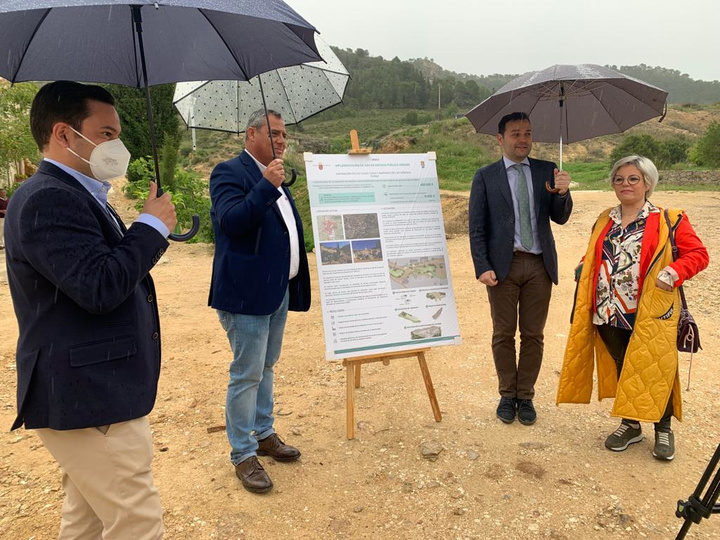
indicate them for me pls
(616, 342)
(525, 296)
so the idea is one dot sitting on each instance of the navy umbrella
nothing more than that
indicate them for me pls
(145, 43)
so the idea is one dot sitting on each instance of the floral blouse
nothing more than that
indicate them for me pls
(616, 294)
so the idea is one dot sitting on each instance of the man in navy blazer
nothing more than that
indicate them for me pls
(260, 270)
(514, 254)
(88, 353)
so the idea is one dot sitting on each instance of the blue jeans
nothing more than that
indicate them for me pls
(256, 341)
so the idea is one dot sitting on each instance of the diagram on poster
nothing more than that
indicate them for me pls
(385, 284)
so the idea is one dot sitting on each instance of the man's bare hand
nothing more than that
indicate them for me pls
(562, 181)
(275, 172)
(160, 207)
(488, 278)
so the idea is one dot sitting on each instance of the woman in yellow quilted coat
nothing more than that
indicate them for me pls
(627, 297)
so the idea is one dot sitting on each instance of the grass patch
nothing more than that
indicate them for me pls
(589, 176)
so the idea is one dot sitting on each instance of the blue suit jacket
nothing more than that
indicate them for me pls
(252, 245)
(88, 353)
(492, 218)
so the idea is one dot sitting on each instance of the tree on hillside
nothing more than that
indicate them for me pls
(131, 107)
(707, 150)
(16, 142)
(663, 153)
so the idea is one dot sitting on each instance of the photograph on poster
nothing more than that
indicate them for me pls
(426, 332)
(416, 272)
(330, 228)
(361, 226)
(367, 250)
(335, 253)
(409, 316)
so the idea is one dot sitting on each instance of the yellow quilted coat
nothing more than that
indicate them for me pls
(650, 369)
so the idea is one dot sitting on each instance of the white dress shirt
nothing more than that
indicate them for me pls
(283, 204)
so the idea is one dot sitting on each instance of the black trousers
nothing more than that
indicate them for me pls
(616, 342)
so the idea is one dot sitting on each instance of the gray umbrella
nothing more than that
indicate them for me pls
(296, 92)
(570, 103)
(145, 43)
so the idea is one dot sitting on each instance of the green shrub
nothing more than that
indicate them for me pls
(664, 154)
(707, 149)
(189, 196)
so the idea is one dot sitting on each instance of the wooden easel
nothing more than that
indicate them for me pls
(355, 144)
(353, 364)
(353, 381)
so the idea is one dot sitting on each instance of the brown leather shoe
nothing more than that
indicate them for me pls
(274, 447)
(253, 476)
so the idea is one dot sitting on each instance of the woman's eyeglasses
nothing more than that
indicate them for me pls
(631, 180)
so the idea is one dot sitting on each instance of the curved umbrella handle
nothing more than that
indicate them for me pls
(188, 235)
(551, 189)
(293, 177)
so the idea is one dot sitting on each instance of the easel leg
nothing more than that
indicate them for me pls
(350, 405)
(429, 386)
(357, 375)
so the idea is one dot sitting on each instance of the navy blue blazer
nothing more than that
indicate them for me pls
(252, 244)
(88, 353)
(492, 217)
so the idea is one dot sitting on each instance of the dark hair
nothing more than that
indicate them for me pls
(512, 117)
(63, 101)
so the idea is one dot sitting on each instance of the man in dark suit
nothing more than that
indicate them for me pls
(260, 271)
(514, 254)
(88, 354)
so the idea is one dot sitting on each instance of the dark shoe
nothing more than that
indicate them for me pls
(274, 447)
(526, 412)
(623, 437)
(664, 445)
(506, 410)
(253, 476)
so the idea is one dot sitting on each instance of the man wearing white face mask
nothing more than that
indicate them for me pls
(88, 353)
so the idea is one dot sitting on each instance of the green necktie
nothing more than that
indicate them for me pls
(526, 236)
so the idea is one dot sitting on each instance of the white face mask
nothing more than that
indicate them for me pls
(108, 159)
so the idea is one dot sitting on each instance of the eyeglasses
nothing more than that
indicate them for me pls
(631, 180)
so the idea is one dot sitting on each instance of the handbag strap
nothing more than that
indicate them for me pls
(671, 236)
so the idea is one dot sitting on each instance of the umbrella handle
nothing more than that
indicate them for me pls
(193, 229)
(188, 235)
(551, 189)
(293, 177)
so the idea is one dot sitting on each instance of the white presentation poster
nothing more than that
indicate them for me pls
(385, 283)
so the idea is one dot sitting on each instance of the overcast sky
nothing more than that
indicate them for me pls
(482, 37)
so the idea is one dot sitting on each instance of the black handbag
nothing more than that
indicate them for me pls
(688, 336)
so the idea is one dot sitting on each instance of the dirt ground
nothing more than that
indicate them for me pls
(551, 480)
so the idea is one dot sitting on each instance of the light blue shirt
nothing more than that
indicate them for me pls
(99, 190)
(512, 175)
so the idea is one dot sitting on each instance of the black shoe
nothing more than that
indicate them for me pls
(526, 412)
(274, 447)
(253, 476)
(506, 410)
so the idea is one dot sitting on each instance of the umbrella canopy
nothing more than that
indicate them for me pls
(296, 92)
(185, 40)
(145, 43)
(569, 103)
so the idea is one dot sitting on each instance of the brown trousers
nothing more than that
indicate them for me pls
(525, 292)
